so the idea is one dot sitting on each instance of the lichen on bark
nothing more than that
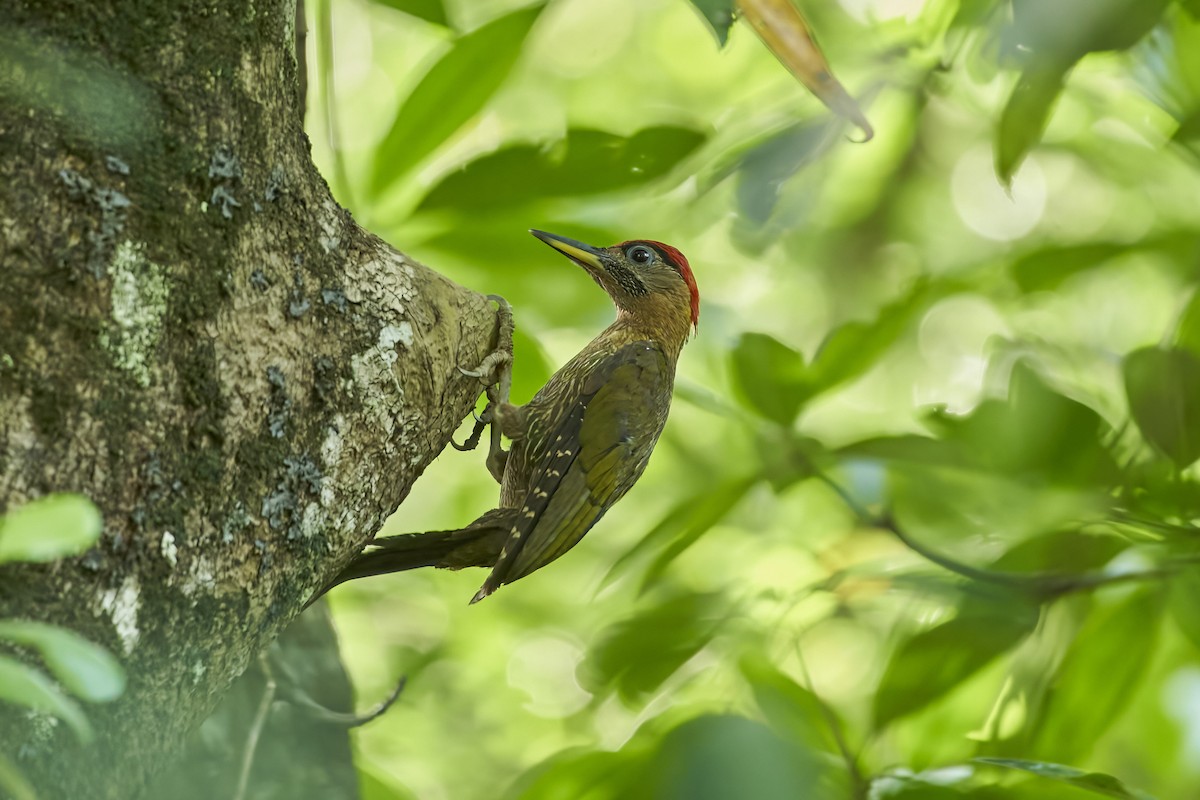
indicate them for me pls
(139, 306)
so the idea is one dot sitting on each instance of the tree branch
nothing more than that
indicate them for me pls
(196, 336)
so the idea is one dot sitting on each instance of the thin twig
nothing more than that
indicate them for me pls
(1043, 586)
(1166, 527)
(325, 76)
(945, 562)
(348, 719)
(256, 728)
(835, 728)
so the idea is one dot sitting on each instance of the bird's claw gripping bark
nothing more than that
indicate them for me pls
(496, 367)
(487, 369)
(497, 456)
(495, 372)
(472, 441)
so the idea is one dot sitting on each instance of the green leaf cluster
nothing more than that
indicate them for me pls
(923, 523)
(46, 529)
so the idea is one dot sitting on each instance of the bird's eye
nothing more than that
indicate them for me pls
(640, 254)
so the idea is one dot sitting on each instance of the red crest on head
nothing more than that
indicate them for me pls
(680, 262)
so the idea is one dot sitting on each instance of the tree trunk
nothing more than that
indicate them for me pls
(196, 336)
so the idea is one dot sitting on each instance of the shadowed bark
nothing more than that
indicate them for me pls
(196, 336)
(297, 754)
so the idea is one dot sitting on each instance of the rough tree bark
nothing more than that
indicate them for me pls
(196, 336)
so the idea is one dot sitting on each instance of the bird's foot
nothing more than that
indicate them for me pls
(497, 456)
(496, 368)
(490, 369)
(472, 441)
(508, 418)
(495, 372)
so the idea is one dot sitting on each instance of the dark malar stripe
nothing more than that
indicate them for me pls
(628, 280)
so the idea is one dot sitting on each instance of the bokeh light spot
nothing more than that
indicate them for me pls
(986, 208)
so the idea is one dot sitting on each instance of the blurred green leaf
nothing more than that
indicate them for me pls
(1099, 675)
(775, 381)
(585, 162)
(531, 367)
(1034, 432)
(501, 241)
(953, 512)
(13, 782)
(770, 376)
(1032, 789)
(680, 528)
(1052, 37)
(579, 774)
(1047, 267)
(634, 656)
(1024, 118)
(1187, 333)
(764, 169)
(791, 709)
(723, 757)
(494, 250)
(915, 787)
(905, 448)
(86, 669)
(1065, 31)
(1159, 497)
(729, 160)
(1185, 602)
(429, 10)
(704, 398)
(931, 663)
(906, 787)
(852, 349)
(1188, 131)
(1095, 782)
(696, 520)
(373, 785)
(1163, 387)
(786, 457)
(718, 14)
(25, 686)
(1064, 551)
(453, 91)
(49, 528)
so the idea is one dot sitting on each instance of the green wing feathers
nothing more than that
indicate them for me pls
(595, 454)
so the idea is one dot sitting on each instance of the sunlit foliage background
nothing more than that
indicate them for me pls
(900, 362)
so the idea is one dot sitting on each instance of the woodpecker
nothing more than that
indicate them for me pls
(585, 437)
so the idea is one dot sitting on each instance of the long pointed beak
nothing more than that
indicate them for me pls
(583, 254)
